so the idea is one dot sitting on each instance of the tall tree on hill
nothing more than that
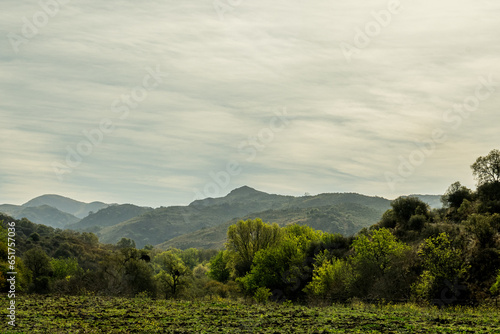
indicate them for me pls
(245, 239)
(487, 169)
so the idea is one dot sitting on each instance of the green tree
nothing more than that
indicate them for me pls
(218, 267)
(330, 280)
(38, 262)
(65, 268)
(455, 195)
(483, 229)
(444, 268)
(245, 239)
(172, 272)
(190, 257)
(126, 243)
(283, 267)
(378, 261)
(405, 207)
(139, 277)
(277, 268)
(487, 169)
(388, 220)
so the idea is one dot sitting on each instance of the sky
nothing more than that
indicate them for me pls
(161, 102)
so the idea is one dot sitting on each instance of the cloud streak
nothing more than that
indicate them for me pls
(226, 79)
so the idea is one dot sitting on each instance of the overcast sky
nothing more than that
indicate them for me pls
(287, 97)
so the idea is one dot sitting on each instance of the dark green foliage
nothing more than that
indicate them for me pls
(218, 268)
(489, 197)
(455, 195)
(38, 263)
(405, 207)
(487, 169)
(35, 237)
(417, 222)
(126, 243)
(389, 219)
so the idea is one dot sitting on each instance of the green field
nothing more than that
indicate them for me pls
(52, 314)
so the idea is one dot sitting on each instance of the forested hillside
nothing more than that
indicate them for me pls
(44, 214)
(344, 213)
(65, 204)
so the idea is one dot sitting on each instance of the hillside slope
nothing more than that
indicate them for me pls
(109, 216)
(65, 204)
(162, 224)
(344, 218)
(44, 214)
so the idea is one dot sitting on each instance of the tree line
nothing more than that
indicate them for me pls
(441, 256)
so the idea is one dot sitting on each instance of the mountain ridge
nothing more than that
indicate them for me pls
(65, 204)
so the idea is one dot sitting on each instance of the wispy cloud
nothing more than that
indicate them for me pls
(226, 79)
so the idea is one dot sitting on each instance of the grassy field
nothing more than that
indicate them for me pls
(51, 314)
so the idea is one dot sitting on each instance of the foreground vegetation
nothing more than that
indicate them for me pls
(90, 314)
(435, 258)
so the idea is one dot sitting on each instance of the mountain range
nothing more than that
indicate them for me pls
(52, 210)
(203, 223)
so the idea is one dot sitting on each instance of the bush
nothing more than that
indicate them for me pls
(262, 295)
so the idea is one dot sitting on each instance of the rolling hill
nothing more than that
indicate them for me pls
(343, 218)
(162, 224)
(109, 216)
(203, 223)
(65, 204)
(43, 214)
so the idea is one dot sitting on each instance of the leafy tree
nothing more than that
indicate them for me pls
(65, 268)
(277, 268)
(388, 220)
(377, 249)
(283, 267)
(126, 243)
(336, 244)
(330, 279)
(262, 295)
(443, 269)
(405, 207)
(482, 228)
(417, 222)
(489, 197)
(245, 239)
(190, 257)
(218, 268)
(455, 195)
(38, 262)
(377, 259)
(487, 169)
(139, 277)
(173, 272)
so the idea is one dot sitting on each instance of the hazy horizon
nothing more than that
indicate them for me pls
(162, 103)
(153, 206)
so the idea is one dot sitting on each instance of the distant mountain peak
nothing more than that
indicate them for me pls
(66, 204)
(244, 191)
